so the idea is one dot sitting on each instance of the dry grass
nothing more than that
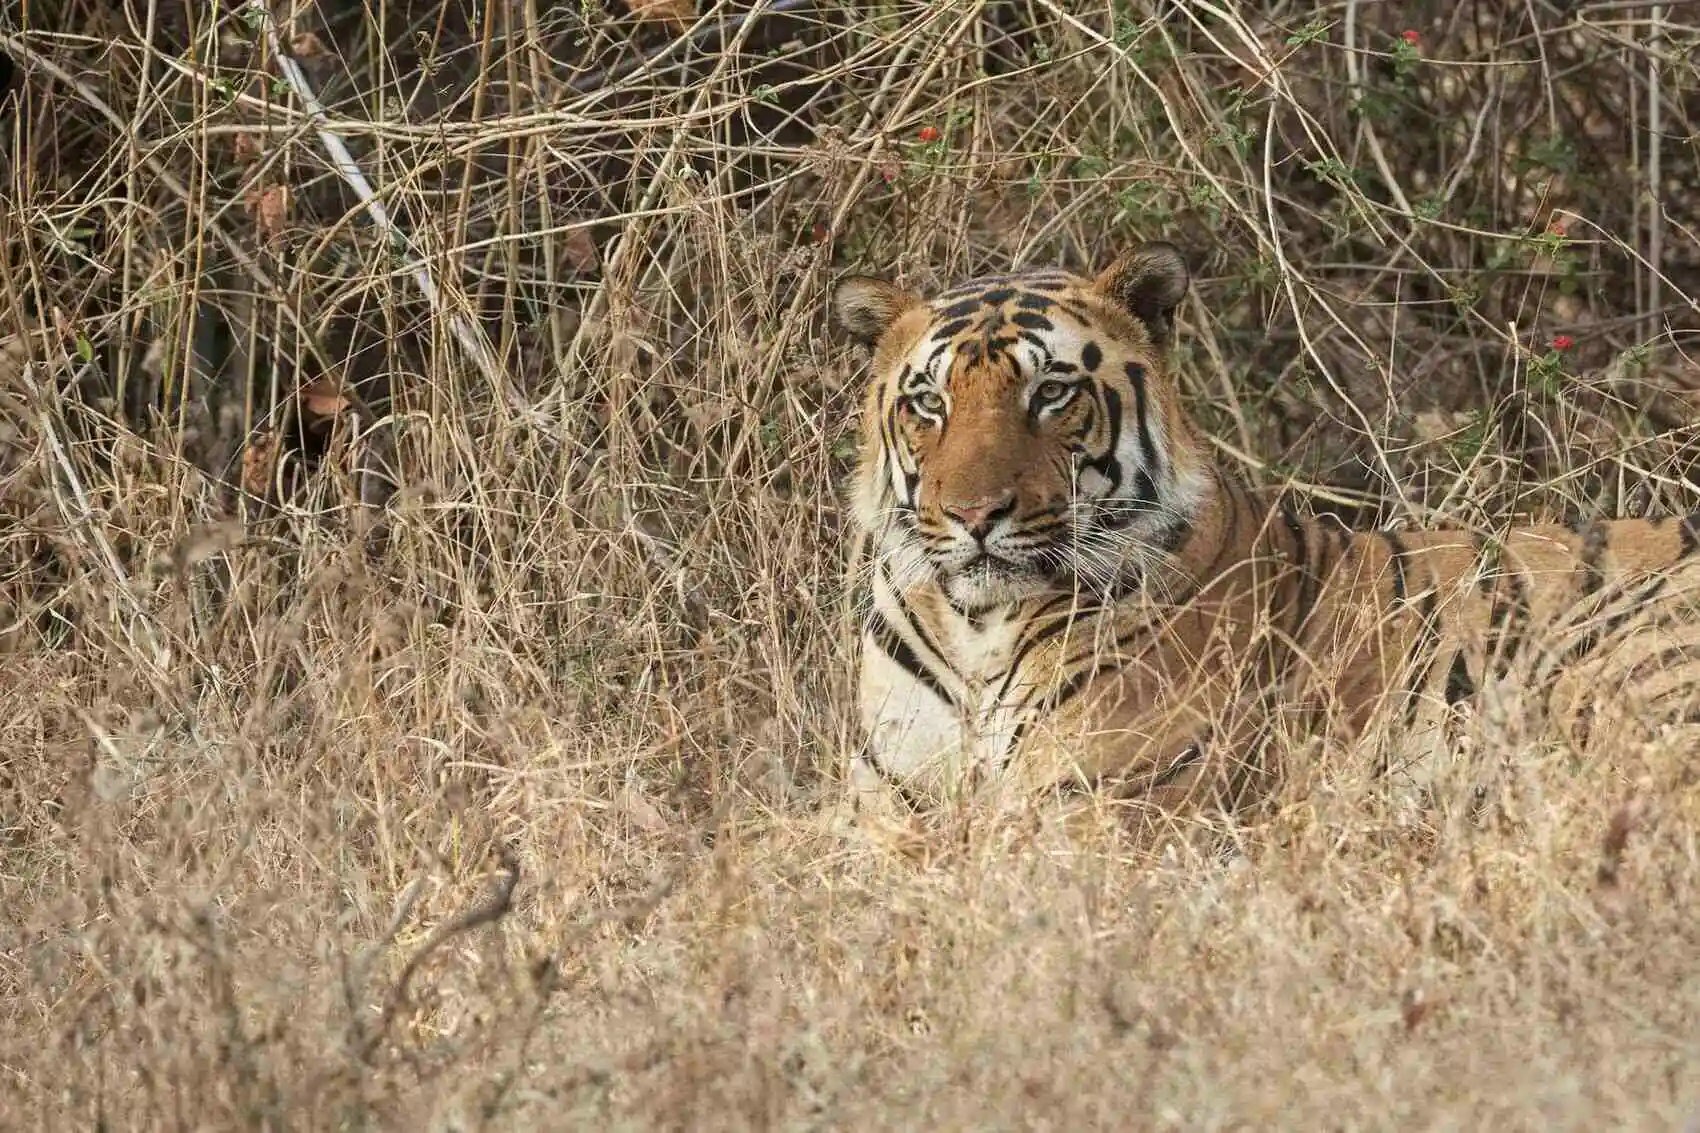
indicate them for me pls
(462, 767)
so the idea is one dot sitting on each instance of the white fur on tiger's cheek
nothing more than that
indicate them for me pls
(1089, 484)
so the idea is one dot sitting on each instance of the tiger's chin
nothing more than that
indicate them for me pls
(989, 583)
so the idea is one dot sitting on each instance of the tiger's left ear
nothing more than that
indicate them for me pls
(1149, 281)
(865, 306)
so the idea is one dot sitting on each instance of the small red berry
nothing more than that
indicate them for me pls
(1562, 342)
(1557, 230)
(929, 133)
(1410, 36)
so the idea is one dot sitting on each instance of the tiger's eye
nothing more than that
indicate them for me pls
(928, 402)
(1052, 391)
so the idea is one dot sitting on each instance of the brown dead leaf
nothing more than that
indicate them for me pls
(324, 397)
(247, 148)
(580, 247)
(259, 463)
(643, 814)
(202, 544)
(1414, 1008)
(1623, 823)
(306, 46)
(63, 324)
(270, 209)
(676, 14)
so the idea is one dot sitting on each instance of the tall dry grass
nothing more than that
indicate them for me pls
(403, 734)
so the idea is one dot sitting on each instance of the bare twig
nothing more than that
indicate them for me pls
(492, 909)
(466, 332)
(1655, 175)
(1365, 128)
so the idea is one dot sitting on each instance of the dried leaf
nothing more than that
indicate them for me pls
(677, 14)
(204, 542)
(259, 463)
(1414, 1008)
(324, 397)
(306, 46)
(1615, 842)
(640, 812)
(581, 251)
(270, 209)
(247, 148)
(153, 360)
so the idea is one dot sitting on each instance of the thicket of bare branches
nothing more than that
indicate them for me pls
(420, 448)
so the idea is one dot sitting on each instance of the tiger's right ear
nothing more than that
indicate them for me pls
(865, 306)
(1149, 282)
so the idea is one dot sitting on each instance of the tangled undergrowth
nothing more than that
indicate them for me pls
(424, 671)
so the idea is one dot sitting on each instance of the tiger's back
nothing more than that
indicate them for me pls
(1064, 590)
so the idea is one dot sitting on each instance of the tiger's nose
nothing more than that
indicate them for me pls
(979, 515)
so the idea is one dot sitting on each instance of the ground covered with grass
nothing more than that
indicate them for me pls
(423, 655)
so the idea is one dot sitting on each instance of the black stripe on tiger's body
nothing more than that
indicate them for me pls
(1085, 597)
(888, 642)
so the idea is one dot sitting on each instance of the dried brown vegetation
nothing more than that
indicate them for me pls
(402, 734)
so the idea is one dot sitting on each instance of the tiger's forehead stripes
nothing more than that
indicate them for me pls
(983, 322)
(1045, 280)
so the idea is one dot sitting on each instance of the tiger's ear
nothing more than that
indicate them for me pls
(865, 306)
(1150, 281)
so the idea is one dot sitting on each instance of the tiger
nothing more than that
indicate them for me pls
(1059, 588)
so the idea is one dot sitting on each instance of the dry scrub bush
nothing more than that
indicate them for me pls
(395, 742)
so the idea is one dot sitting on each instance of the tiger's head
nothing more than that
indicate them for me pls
(1022, 432)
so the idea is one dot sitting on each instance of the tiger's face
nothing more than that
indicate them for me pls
(1020, 432)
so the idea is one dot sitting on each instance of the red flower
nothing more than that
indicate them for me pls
(1557, 230)
(1562, 342)
(929, 133)
(1410, 36)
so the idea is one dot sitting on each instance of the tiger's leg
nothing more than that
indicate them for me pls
(913, 742)
(1157, 753)
(1173, 800)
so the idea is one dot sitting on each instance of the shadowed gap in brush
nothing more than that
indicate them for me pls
(707, 38)
(703, 39)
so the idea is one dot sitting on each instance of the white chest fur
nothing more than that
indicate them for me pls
(934, 706)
